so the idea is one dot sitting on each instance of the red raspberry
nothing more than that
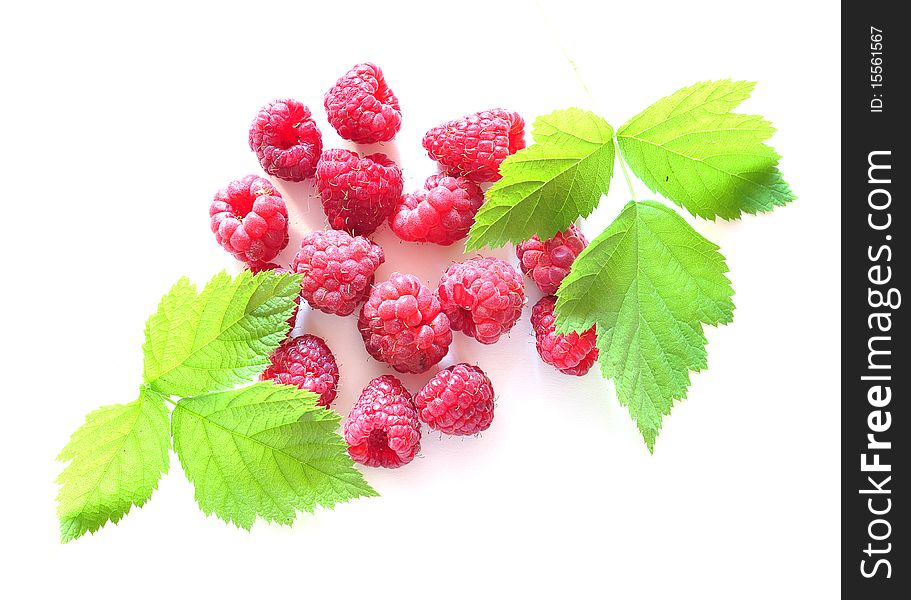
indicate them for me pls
(382, 429)
(260, 267)
(474, 146)
(458, 400)
(338, 270)
(358, 193)
(362, 108)
(286, 140)
(402, 325)
(307, 362)
(250, 220)
(441, 213)
(483, 297)
(548, 262)
(571, 353)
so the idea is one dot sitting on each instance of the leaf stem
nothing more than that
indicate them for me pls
(629, 182)
(559, 41)
(578, 74)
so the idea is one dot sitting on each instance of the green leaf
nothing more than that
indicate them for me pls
(648, 282)
(115, 461)
(548, 185)
(691, 149)
(265, 450)
(221, 337)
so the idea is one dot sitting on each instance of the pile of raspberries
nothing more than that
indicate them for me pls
(403, 323)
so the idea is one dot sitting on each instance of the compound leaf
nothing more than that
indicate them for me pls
(265, 450)
(648, 283)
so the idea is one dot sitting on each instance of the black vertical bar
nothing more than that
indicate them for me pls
(875, 369)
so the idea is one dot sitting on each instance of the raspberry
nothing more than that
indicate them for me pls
(382, 429)
(358, 193)
(402, 325)
(250, 220)
(286, 140)
(458, 400)
(548, 262)
(474, 146)
(483, 297)
(260, 267)
(338, 270)
(571, 353)
(307, 362)
(362, 108)
(441, 213)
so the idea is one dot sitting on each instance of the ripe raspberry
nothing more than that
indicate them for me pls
(458, 401)
(338, 270)
(571, 353)
(286, 140)
(260, 267)
(483, 297)
(358, 193)
(475, 145)
(307, 362)
(250, 220)
(402, 325)
(382, 429)
(548, 262)
(441, 213)
(362, 108)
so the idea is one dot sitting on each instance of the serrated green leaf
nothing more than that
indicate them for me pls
(548, 185)
(266, 450)
(649, 282)
(691, 149)
(115, 461)
(220, 337)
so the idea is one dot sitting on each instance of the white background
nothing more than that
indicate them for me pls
(121, 121)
